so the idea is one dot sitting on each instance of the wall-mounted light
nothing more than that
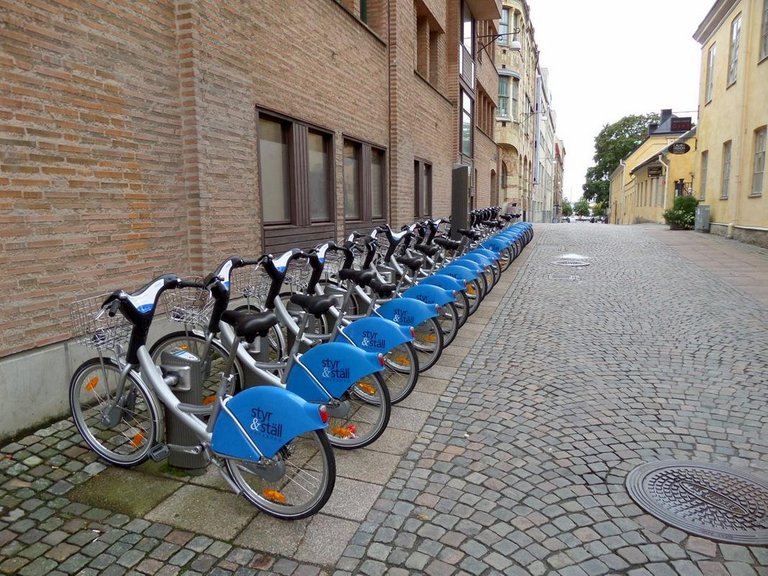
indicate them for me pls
(514, 45)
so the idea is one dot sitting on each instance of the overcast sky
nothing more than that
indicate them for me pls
(608, 59)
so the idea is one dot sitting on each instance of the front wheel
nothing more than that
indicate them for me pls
(360, 415)
(116, 415)
(293, 484)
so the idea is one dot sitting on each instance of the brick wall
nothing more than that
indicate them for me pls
(90, 160)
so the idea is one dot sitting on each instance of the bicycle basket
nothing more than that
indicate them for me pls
(298, 275)
(189, 305)
(334, 261)
(94, 328)
(251, 282)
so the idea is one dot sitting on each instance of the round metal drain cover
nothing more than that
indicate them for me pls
(703, 499)
(571, 260)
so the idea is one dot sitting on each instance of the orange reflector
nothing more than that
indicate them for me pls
(341, 432)
(209, 399)
(138, 439)
(367, 388)
(91, 384)
(274, 496)
(430, 338)
(402, 360)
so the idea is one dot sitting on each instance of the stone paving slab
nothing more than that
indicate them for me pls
(509, 459)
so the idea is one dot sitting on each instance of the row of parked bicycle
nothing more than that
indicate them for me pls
(285, 357)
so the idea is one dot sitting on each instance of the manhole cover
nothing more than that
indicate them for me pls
(703, 499)
(572, 260)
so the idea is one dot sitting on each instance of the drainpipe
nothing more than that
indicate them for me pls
(623, 193)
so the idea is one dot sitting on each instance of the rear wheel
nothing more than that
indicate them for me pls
(428, 342)
(295, 483)
(360, 415)
(401, 371)
(449, 322)
(117, 418)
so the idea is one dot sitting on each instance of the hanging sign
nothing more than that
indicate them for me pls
(679, 148)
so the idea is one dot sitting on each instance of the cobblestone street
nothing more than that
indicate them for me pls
(511, 457)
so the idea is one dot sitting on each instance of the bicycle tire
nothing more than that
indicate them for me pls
(304, 486)
(362, 416)
(474, 295)
(505, 258)
(119, 431)
(211, 367)
(449, 322)
(462, 306)
(401, 371)
(428, 342)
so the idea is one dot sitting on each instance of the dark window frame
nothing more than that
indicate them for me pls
(421, 169)
(364, 188)
(299, 199)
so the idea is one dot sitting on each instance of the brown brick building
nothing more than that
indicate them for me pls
(145, 137)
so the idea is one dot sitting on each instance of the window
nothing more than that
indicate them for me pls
(710, 73)
(428, 43)
(378, 173)
(364, 182)
(503, 96)
(467, 29)
(273, 161)
(295, 163)
(764, 32)
(504, 27)
(726, 170)
(758, 170)
(371, 12)
(466, 124)
(422, 186)
(704, 168)
(319, 176)
(352, 181)
(515, 98)
(733, 50)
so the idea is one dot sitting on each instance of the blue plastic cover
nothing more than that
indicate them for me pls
(335, 366)
(458, 272)
(406, 311)
(444, 282)
(375, 334)
(429, 294)
(265, 416)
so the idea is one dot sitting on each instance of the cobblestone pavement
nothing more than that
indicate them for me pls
(512, 457)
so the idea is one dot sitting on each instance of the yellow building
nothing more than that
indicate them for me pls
(733, 114)
(646, 182)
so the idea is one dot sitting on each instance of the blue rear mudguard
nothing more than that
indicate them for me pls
(263, 417)
(374, 334)
(406, 311)
(475, 257)
(429, 294)
(444, 282)
(328, 370)
(460, 273)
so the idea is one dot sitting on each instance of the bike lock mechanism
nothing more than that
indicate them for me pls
(183, 447)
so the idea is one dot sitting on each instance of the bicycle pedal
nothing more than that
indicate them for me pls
(159, 452)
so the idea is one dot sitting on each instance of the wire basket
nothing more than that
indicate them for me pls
(297, 276)
(382, 248)
(190, 306)
(93, 327)
(251, 282)
(334, 261)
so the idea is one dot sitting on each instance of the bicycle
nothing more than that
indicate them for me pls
(267, 443)
(346, 379)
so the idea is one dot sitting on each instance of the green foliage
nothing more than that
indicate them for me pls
(581, 208)
(567, 208)
(683, 213)
(614, 143)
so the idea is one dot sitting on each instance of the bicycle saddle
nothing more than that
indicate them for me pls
(316, 305)
(248, 325)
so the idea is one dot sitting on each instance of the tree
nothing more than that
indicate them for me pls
(614, 142)
(581, 207)
(567, 208)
